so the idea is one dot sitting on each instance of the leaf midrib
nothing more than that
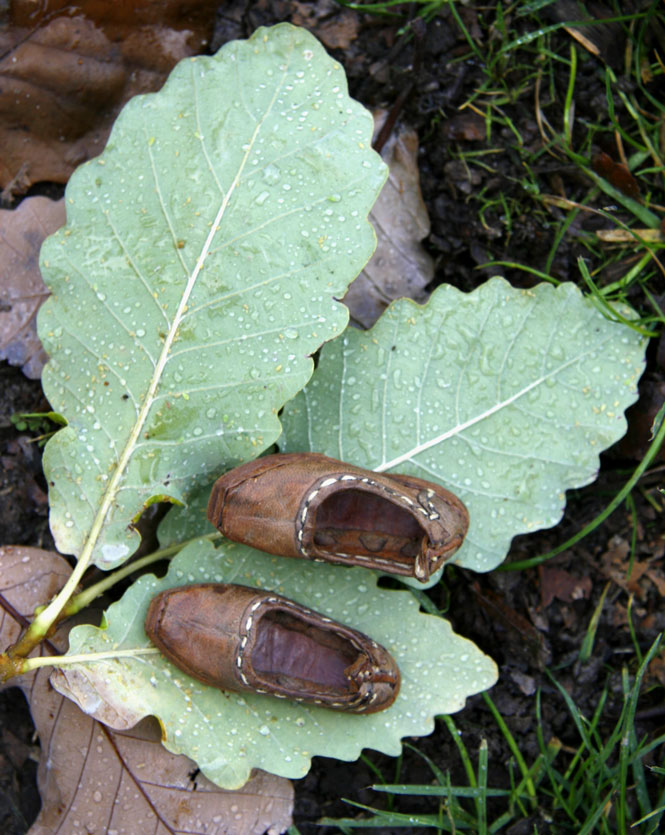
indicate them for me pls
(112, 490)
(456, 430)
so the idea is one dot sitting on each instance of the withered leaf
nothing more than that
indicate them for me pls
(466, 126)
(64, 78)
(335, 27)
(617, 174)
(400, 266)
(559, 583)
(21, 287)
(92, 779)
(128, 782)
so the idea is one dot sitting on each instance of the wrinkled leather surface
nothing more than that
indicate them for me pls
(291, 505)
(246, 639)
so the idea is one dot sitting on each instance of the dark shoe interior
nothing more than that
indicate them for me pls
(357, 522)
(292, 652)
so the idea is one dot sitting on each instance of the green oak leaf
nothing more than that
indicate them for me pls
(227, 734)
(504, 396)
(198, 271)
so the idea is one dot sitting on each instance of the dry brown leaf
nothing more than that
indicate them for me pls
(615, 564)
(128, 782)
(657, 577)
(94, 780)
(657, 668)
(28, 578)
(627, 236)
(64, 78)
(400, 266)
(336, 28)
(340, 32)
(466, 126)
(21, 287)
(617, 174)
(556, 582)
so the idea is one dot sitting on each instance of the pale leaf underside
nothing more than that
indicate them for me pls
(505, 397)
(228, 734)
(197, 273)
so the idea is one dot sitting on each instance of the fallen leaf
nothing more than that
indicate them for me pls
(64, 78)
(128, 782)
(466, 126)
(658, 579)
(336, 28)
(92, 779)
(340, 32)
(400, 266)
(556, 582)
(526, 683)
(28, 578)
(622, 236)
(21, 287)
(617, 174)
(656, 668)
(615, 564)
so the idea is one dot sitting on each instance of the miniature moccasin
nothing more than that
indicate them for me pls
(241, 638)
(308, 505)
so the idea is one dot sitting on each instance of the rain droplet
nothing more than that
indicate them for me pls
(271, 174)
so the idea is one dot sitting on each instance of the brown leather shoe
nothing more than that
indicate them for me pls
(308, 505)
(241, 638)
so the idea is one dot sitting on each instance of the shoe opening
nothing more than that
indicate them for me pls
(296, 654)
(358, 522)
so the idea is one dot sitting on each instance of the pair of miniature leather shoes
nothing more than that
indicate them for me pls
(314, 507)
(246, 639)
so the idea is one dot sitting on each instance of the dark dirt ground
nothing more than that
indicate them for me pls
(511, 616)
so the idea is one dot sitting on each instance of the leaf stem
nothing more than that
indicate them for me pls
(386, 466)
(65, 603)
(47, 617)
(84, 598)
(65, 660)
(41, 625)
(651, 453)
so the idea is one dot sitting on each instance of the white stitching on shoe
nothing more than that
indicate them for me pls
(427, 510)
(358, 703)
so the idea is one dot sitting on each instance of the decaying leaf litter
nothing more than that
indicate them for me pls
(475, 625)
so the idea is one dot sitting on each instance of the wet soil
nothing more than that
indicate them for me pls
(531, 622)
